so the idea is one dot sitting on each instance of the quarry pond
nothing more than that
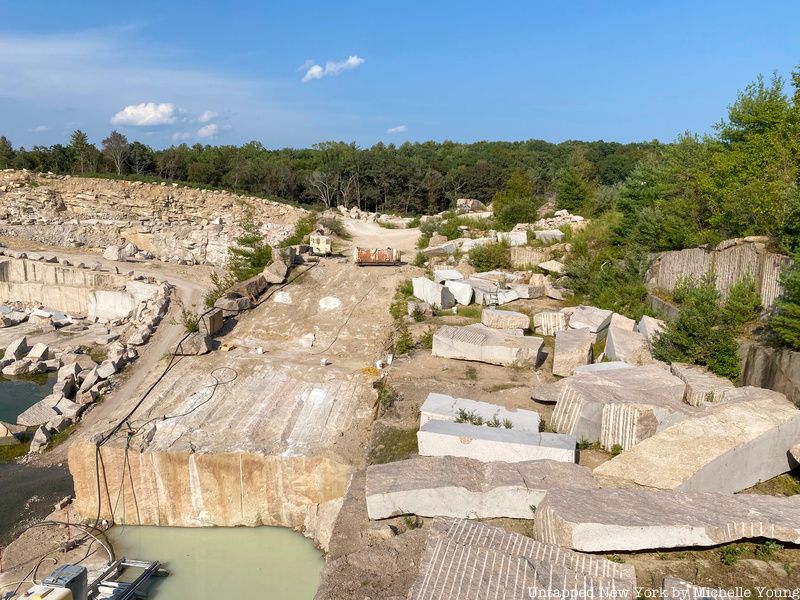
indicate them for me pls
(19, 394)
(225, 562)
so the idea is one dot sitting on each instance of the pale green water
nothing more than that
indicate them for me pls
(267, 563)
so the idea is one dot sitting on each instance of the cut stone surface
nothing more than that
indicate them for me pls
(441, 407)
(442, 275)
(731, 447)
(462, 292)
(40, 439)
(232, 305)
(650, 327)
(39, 352)
(18, 367)
(466, 559)
(504, 319)
(549, 236)
(573, 348)
(702, 386)
(41, 412)
(513, 238)
(549, 322)
(627, 345)
(607, 519)
(484, 291)
(433, 293)
(603, 366)
(620, 406)
(212, 322)
(587, 317)
(483, 344)
(487, 444)
(16, 349)
(448, 486)
(552, 266)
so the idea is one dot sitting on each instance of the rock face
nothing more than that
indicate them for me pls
(573, 349)
(771, 368)
(441, 407)
(504, 319)
(620, 406)
(607, 520)
(461, 487)
(487, 444)
(466, 559)
(483, 344)
(433, 293)
(702, 386)
(729, 260)
(729, 448)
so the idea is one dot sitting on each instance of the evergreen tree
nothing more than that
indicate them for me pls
(785, 323)
(250, 254)
(743, 305)
(79, 143)
(6, 153)
(515, 203)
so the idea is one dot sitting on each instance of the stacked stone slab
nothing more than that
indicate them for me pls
(433, 293)
(608, 519)
(450, 486)
(466, 559)
(726, 448)
(441, 407)
(505, 319)
(702, 386)
(573, 348)
(487, 444)
(549, 322)
(620, 407)
(483, 344)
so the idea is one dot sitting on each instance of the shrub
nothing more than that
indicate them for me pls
(250, 254)
(420, 259)
(768, 550)
(516, 210)
(387, 395)
(403, 342)
(302, 229)
(743, 305)
(785, 323)
(730, 555)
(468, 416)
(491, 256)
(335, 226)
(616, 450)
(471, 373)
(190, 321)
(426, 341)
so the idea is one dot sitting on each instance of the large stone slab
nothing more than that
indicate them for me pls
(627, 346)
(549, 322)
(587, 317)
(441, 407)
(433, 293)
(41, 412)
(573, 348)
(505, 319)
(608, 520)
(702, 386)
(17, 349)
(442, 275)
(470, 560)
(487, 444)
(650, 328)
(483, 344)
(729, 448)
(462, 292)
(449, 486)
(620, 406)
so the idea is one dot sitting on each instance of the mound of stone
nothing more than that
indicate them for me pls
(726, 448)
(466, 559)
(621, 406)
(484, 344)
(608, 520)
(451, 486)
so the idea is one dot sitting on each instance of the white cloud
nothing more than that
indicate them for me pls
(40, 129)
(331, 68)
(146, 114)
(181, 136)
(207, 116)
(398, 129)
(209, 130)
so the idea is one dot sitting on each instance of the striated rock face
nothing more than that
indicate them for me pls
(166, 220)
(184, 489)
(771, 368)
(729, 260)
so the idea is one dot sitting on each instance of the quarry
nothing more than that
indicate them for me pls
(519, 446)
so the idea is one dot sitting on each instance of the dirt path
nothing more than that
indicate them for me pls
(372, 235)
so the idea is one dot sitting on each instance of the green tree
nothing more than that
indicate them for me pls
(141, 159)
(785, 322)
(116, 149)
(742, 306)
(79, 142)
(250, 254)
(515, 203)
(574, 186)
(6, 153)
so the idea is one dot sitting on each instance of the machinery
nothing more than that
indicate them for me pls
(122, 580)
(320, 244)
(376, 256)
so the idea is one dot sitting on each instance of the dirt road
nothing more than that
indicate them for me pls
(372, 235)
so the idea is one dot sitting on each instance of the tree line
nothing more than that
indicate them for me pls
(416, 178)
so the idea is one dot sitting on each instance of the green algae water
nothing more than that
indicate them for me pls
(19, 394)
(225, 562)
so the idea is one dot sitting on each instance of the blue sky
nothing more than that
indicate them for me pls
(293, 74)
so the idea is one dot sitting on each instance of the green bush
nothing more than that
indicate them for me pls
(426, 341)
(403, 342)
(302, 229)
(785, 322)
(743, 305)
(335, 226)
(730, 555)
(250, 254)
(491, 256)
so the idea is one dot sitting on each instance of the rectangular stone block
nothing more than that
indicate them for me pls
(433, 293)
(448, 486)
(573, 348)
(441, 407)
(608, 519)
(505, 319)
(483, 344)
(549, 322)
(442, 275)
(587, 317)
(487, 444)
(513, 238)
(731, 447)
(650, 327)
(628, 346)
(462, 292)
(702, 386)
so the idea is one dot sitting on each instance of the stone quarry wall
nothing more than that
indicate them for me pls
(169, 221)
(184, 489)
(72, 290)
(772, 368)
(729, 260)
